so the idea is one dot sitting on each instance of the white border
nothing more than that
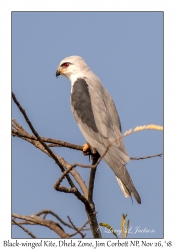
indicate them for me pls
(5, 89)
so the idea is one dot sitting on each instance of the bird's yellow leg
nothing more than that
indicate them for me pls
(86, 148)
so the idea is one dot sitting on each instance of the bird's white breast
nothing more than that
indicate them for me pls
(73, 79)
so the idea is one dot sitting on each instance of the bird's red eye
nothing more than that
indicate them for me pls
(66, 65)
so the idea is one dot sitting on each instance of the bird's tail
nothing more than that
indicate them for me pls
(126, 191)
(122, 175)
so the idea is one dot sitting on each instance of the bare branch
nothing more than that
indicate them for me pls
(26, 223)
(65, 189)
(37, 144)
(23, 228)
(46, 211)
(55, 143)
(57, 184)
(90, 208)
(75, 191)
(80, 229)
(40, 140)
(145, 157)
(59, 163)
(77, 229)
(47, 223)
(69, 169)
(95, 158)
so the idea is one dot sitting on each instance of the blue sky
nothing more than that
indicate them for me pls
(125, 50)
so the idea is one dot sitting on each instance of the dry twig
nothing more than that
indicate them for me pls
(23, 228)
(76, 229)
(47, 211)
(47, 223)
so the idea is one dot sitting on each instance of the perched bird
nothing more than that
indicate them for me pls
(97, 118)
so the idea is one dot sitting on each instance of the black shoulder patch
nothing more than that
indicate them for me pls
(81, 102)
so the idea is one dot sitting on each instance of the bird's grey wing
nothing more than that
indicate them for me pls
(111, 109)
(92, 114)
(82, 109)
(104, 110)
(91, 111)
(106, 117)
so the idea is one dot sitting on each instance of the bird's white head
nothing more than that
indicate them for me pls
(71, 67)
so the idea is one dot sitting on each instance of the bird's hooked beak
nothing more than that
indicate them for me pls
(61, 71)
(57, 73)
